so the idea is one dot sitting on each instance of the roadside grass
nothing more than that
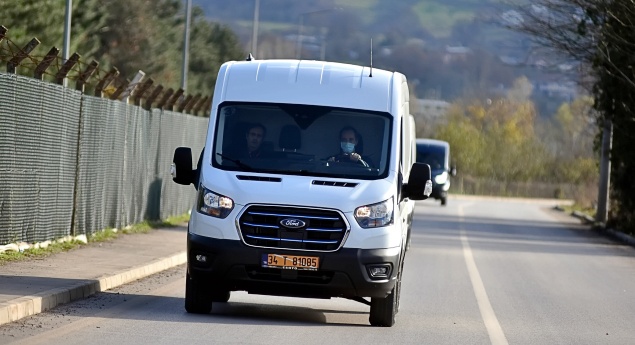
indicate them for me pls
(105, 235)
(38, 253)
(588, 210)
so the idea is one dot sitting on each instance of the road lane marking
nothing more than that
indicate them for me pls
(494, 330)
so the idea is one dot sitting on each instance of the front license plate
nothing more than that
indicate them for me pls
(291, 262)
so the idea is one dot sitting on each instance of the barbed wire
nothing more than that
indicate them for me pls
(10, 50)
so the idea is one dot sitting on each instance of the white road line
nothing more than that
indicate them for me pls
(496, 335)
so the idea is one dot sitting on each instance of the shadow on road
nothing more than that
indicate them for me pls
(515, 235)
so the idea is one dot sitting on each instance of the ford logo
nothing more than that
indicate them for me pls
(292, 223)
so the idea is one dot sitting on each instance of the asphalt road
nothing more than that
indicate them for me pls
(479, 271)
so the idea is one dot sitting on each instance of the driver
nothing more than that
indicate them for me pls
(349, 140)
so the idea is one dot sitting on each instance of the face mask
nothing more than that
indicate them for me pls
(347, 147)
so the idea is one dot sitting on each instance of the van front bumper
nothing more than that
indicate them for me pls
(231, 265)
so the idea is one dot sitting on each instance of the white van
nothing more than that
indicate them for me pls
(436, 153)
(305, 186)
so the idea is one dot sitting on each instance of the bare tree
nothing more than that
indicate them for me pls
(600, 34)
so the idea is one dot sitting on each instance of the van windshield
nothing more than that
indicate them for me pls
(302, 140)
(433, 155)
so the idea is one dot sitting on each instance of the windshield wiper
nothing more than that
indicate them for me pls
(236, 161)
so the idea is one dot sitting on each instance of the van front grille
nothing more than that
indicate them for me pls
(292, 228)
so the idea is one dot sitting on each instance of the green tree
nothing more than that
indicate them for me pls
(496, 139)
(598, 34)
(211, 45)
(131, 35)
(26, 19)
(614, 90)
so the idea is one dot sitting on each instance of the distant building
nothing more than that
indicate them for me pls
(455, 53)
(428, 113)
(565, 90)
(429, 109)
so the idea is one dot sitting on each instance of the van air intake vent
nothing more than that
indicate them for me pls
(258, 178)
(334, 183)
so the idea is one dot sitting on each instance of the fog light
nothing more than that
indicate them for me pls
(379, 271)
(201, 258)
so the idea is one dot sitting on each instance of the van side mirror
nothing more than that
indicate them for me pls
(419, 186)
(181, 169)
(453, 170)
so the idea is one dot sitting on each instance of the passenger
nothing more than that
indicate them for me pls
(254, 136)
(350, 141)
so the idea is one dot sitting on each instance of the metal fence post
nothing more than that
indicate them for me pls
(141, 90)
(174, 98)
(83, 77)
(200, 105)
(3, 32)
(120, 89)
(166, 96)
(66, 67)
(45, 63)
(155, 93)
(184, 104)
(22, 54)
(105, 81)
(192, 103)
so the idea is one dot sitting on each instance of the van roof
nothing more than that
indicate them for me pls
(309, 82)
(432, 142)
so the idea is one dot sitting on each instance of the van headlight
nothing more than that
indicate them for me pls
(441, 178)
(375, 215)
(213, 204)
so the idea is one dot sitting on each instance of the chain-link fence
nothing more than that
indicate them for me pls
(74, 164)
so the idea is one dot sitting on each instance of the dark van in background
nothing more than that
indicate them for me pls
(436, 153)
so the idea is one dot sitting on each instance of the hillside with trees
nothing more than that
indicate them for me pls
(502, 126)
(598, 34)
(446, 48)
(131, 35)
(516, 115)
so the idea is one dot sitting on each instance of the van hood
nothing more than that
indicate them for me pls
(337, 193)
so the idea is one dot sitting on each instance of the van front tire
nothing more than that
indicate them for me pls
(384, 310)
(196, 300)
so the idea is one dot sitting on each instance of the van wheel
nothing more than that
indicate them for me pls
(196, 301)
(384, 310)
(444, 201)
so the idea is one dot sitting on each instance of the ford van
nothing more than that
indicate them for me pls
(436, 153)
(276, 213)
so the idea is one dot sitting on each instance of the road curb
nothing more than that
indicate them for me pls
(21, 307)
(614, 234)
(620, 236)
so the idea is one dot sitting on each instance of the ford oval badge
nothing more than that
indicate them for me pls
(292, 223)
